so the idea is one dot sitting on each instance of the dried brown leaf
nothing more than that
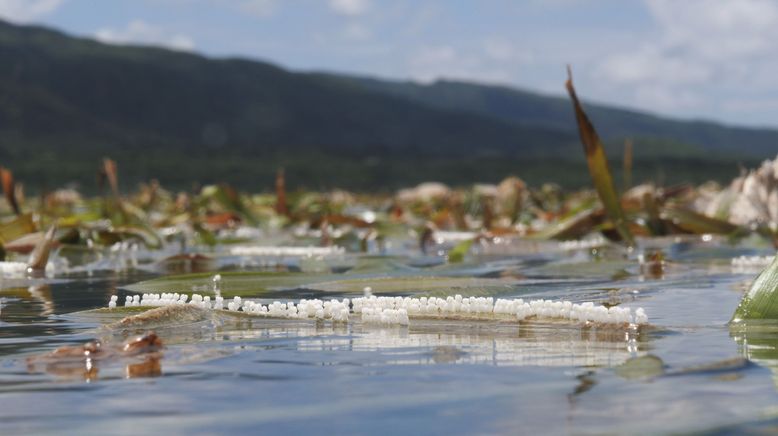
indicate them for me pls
(598, 166)
(9, 189)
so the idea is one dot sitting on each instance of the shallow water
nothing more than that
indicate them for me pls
(457, 377)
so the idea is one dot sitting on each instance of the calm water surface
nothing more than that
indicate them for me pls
(280, 376)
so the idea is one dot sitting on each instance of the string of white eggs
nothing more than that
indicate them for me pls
(399, 310)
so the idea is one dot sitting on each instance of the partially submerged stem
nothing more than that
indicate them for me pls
(40, 254)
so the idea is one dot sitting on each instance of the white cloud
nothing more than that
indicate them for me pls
(697, 43)
(349, 7)
(23, 11)
(658, 97)
(429, 63)
(717, 30)
(140, 32)
(653, 64)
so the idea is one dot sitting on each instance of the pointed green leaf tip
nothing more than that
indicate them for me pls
(761, 301)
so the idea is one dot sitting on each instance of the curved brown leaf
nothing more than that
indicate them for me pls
(9, 189)
(598, 166)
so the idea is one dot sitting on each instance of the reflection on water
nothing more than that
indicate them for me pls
(428, 343)
(292, 376)
(89, 369)
(758, 342)
(42, 293)
(141, 355)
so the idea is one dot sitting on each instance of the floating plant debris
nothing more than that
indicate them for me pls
(400, 310)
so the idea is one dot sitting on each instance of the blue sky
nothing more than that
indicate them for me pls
(690, 59)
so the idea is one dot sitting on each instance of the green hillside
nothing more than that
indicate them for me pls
(527, 108)
(65, 102)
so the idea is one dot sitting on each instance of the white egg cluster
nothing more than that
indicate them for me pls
(332, 309)
(427, 306)
(385, 316)
(399, 310)
(584, 312)
(752, 261)
(442, 236)
(166, 299)
(457, 305)
(131, 300)
(583, 244)
(286, 251)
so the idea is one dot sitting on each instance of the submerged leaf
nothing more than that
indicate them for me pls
(647, 366)
(257, 284)
(380, 265)
(243, 284)
(457, 254)
(598, 166)
(418, 285)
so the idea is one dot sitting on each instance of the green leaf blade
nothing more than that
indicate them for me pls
(761, 300)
